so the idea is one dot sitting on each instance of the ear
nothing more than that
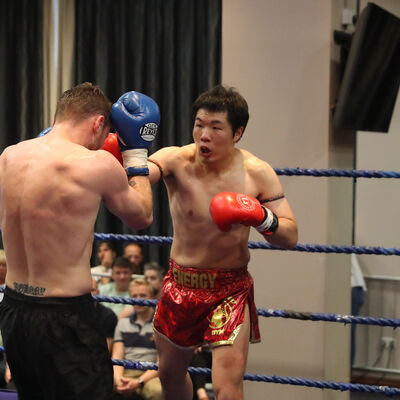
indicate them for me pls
(98, 124)
(238, 134)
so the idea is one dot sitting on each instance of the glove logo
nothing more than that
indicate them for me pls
(245, 202)
(148, 131)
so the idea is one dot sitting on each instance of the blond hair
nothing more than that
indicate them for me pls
(142, 282)
(3, 258)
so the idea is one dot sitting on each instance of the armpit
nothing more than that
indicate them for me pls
(280, 196)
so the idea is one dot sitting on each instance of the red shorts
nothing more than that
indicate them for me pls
(205, 306)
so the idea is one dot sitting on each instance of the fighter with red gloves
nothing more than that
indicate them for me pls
(215, 191)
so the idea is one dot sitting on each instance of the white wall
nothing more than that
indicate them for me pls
(277, 54)
(378, 224)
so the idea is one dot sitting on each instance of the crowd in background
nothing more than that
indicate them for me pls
(128, 328)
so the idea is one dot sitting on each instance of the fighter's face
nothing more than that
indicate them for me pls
(212, 134)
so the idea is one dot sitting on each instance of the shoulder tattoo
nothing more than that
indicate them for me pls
(280, 196)
(159, 167)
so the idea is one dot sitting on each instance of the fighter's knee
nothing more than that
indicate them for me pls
(169, 376)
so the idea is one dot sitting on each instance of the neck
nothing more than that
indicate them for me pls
(75, 133)
(144, 316)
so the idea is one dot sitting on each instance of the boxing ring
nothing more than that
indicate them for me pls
(274, 313)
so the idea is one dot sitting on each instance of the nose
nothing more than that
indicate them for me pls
(205, 135)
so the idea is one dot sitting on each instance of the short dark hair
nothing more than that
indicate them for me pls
(222, 98)
(122, 262)
(155, 266)
(110, 245)
(83, 101)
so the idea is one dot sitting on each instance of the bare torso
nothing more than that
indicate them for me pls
(197, 240)
(51, 192)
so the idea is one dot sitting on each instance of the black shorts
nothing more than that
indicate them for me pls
(54, 348)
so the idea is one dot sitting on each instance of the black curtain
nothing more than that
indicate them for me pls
(21, 70)
(167, 49)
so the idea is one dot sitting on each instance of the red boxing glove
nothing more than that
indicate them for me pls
(111, 145)
(228, 208)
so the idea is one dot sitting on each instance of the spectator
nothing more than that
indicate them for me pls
(201, 359)
(121, 272)
(106, 317)
(154, 274)
(106, 254)
(133, 340)
(133, 252)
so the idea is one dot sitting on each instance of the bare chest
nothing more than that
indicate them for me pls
(190, 194)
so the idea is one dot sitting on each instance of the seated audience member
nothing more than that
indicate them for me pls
(106, 254)
(133, 252)
(133, 340)
(107, 319)
(154, 274)
(121, 273)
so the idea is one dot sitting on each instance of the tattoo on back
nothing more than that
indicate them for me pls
(280, 196)
(23, 288)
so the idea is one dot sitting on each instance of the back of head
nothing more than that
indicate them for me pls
(81, 102)
(221, 98)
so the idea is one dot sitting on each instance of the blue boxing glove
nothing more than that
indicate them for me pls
(136, 118)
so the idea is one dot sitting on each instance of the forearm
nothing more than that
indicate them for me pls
(141, 185)
(118, 373)
(148, 375)
(285, 236)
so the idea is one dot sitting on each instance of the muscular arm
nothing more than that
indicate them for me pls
(131, 201)
(159, 165)
(271, 196)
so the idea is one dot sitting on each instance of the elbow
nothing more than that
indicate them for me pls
(143, 222)
(291, 243)
(286, 240)
(292, 240)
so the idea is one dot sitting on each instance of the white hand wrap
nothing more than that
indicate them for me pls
(135, 161)
(270, 223)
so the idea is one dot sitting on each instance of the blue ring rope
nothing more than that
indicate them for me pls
(342, 173)
(304, 316)
(308, 248)
(284, 380)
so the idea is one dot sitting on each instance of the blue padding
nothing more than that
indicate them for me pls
(8, 394)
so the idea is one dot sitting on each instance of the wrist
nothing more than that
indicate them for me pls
(270, 223)
(135, 161)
